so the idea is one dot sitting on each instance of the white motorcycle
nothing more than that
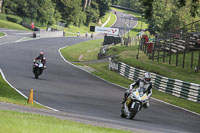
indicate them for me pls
(38, 68)
(133, 104)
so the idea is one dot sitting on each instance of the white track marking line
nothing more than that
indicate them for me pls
(23, 94)
(4, 35)
(106, 21)
(20, 40)
(22, 33)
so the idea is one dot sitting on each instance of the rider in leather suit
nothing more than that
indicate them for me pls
(43, 60)
(41, 57)
(144, 85)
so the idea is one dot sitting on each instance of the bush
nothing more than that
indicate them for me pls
(3, 16)
(14, 19)
(30, 20)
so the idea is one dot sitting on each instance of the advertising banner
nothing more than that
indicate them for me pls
(108, 31)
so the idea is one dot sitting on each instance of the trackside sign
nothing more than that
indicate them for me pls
(105, 30)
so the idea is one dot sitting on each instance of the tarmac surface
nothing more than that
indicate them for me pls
(74, 91)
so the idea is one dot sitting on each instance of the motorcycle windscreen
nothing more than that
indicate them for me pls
(41, 65)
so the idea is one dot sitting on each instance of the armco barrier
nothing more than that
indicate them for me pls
(186, 90)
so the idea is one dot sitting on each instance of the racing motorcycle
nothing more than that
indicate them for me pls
(38, 68)
(133, 104)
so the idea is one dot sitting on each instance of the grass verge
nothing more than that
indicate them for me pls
(128, 56)
(105, 17)
(113, 18)
(8, 94)
(11, 25)
(12, 121)
(1, 34)
(84, 51)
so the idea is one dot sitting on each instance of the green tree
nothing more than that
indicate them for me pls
(71, 11)
(104, 6)
(41, 11)
(115, 2)
(148, 6)
(92, 13)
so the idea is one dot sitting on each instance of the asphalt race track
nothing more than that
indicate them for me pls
(70, 89)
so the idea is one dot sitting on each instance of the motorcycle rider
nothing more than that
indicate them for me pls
(43, 60)
(143, 85)
(92, 35)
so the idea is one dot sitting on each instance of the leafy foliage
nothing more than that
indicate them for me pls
(37, 10)
(14, 19)
(134, 4)
(166, 15)
(48, 12)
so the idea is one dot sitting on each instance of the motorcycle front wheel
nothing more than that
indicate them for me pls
(37, 73)
(133, 111)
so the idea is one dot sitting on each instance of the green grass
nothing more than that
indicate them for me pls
(105, 17)
(103, 72)
(113, 18)
(88, 50)
(8, 94)
(11, 25)
(193, 106)
(12, 121)
(1, 34)
(128, 56)
(75, 29)
(188, 55)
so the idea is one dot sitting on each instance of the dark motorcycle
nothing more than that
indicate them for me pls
(38, 68)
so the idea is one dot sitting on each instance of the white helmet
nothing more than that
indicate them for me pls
(147, 77)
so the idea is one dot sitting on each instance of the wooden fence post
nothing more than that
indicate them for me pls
(158, 55)
(192, 55)
(199, 62)
(177, 58)
(164, 54)
(183, 60)
(153, 54)
(170, 55)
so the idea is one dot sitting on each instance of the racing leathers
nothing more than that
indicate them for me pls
(43, 59)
